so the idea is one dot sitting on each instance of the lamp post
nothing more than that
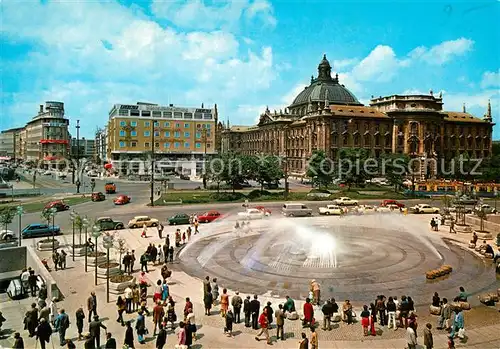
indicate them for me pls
(77, 154)
(285, 148)
(53, 212)
(205, 158)
(95, 233)
(107, 243)
(85, 225)
(151, 198)
(72, 216)
(20, 212)
(495, 195)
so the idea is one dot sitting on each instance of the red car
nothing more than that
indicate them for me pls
(121, 200)
(209, 216)
(392, 202)
(59, 205)
(266, 211)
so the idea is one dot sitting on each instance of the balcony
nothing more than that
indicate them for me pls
(54, 141)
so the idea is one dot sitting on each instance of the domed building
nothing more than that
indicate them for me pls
(327, 116)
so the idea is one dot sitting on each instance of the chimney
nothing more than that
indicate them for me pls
(41, 109)
(170, 105)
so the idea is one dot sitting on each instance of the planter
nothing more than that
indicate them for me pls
(46, 244)
(118, 283)
(102, 269)
(79, 250)
(463, 229)
(91, 259)
(483, 234)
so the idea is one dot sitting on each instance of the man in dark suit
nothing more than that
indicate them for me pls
(110, 342)
(95, 330)
(255, 309)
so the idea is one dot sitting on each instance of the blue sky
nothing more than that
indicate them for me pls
(242, 55)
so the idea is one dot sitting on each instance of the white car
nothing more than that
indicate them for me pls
(251, 213)
(424, 208)
(365, 209)
(346, 201)
(388, 208)
(485, 208)
(331, 210)
(6, 235)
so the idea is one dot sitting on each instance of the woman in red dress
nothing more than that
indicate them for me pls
(365, 319)
(224, 302)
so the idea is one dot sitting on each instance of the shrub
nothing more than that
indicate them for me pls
(254, 194)
(227, 196)
(316, 190)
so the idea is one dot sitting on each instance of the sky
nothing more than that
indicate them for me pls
(243, 55)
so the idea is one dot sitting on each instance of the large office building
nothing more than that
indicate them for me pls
(10, 143)
(327, 116)
(180, 138)
(83, 148)
(101, 146)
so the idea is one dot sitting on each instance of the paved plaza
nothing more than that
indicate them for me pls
(377, 255)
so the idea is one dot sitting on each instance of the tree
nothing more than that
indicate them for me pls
(46, 216)
(482, 217)
(215, 171)
(237, 169)
(7, 215)
(352, 167)
(267, 169)
(78, 222)
(320, 169)
(395, 168)
(121, 247)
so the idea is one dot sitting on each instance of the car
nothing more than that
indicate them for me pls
(242, 185)
(6, 235)
(59, 205)
(272, 185)
(366, 209)
(465, 200)
(179, 218)
(331, 210)
(140, 221)
(485, 208)
(424, 208)
(251, 213)
(387, 208)
(455, 208)
(122, 200)
(106, 223)
(47, 173)
(266, 211)
(346, 201)
(98, 196)
(184, 177)
(392, 202)
(209, 216)
(40, 229)
(92, 174)
(295, 209)
(110, 188)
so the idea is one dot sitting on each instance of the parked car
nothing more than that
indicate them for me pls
(296, 210)
(209, 216)
(266, 211)
(98, 196)
(38, 229)
(424, 208)
(387, 208)
(6, 235)
(366, 209)
(106, 223)
(392, 202)
(465, 200)
(139, 221)
(251, 213)
(59, 205)
(110, 188)
(122, 200)
(454, 208)
(485, 208)
(331, 210)
(180, 218)
(346, 201)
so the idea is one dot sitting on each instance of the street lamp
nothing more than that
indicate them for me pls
(107, 243)
(96, 232)
(20, 212)
(52, 213)
(72, 216)
(495, 195)
(85, 224)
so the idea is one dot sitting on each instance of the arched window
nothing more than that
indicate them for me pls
(367, 141)
(414, 128)
(356, 139)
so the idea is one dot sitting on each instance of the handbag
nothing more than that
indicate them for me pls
(461, 333)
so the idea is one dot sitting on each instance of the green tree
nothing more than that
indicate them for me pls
(267, 169)
(482, 217)
(215, 171)
(353, 165)
(78, 222)
(395, 168)
(121, 247)
(320, 169)
(46, 216)
(7, 215)
(490, 169)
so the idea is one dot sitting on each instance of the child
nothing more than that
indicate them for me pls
(365, 319)
(143, 234)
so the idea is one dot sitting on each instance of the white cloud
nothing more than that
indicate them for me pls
(380, 65)
(490, 79)
(443, 52)
(344, 63)
(288, 98)
(262, 8)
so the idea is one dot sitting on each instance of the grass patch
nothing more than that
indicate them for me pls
(39, 205)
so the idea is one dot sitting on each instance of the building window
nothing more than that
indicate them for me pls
(167, 124)
(134, 113)
(187, 134)
(176, 145)
(207, 116)
(122, 144)
(123, 112)
(157, 145)
(356, 139)
(147, 124)
(166, 145)
(123, 123)
(177, 125)
(133, 133)
(188, 115)
(146, 113)
(157, 114)
(198, 135)
(133, 123)
(345, 139)
(156, 124)
(167, 133)
(167, 114)
(122, 133)
(186, 125)
(209, 145)
(147, 133)
(208, 125)
(146, 145)
(186, 145)
(198, 145)
(133, 144)
(177, 134)
(198, 116)
(177, 114)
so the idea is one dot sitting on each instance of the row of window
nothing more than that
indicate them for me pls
(165, 124)
(165, 114)
(165, 145)
(177, 134)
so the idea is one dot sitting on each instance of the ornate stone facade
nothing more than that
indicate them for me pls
(327, 116)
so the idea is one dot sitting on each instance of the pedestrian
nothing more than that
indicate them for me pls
(181, 336)
(153, 254)
(92, 305)
(137, 298)
(144, 231)
(25, 274)
(167, 242)
(160, 231)
(391, 313)
(224, 302)
(247, 311)
(171, 254)
(316, 292)
(164, 292)
(411, 338)
(140, 327)
(132, 261)
(215, 291)
(188, 306)
(444, 315)
(208, 300)
(126, 262)
(55, 259)
(43, 332)
(264, 324)
(158, 314)
(31, 320)
(95, 330)
(184, 238)
(161, 340)
(327, 310)
(158, 291)
(270, 314)
(207, 288)
(308, 311)
(129, 336)
(161, 259)
(365, 319)
(62, 259)
(42, 294)
(191, 323)
(314, 338)
(165, 253)
(428, 340)
(121, 306)
(255, 309)
(229, 323)
(458, 323)
(280, 322)
(188, 233)
(61, 325)
(18, 341)
(129, 298)
(144, 262)
(347, 311)
(171, 315)
(32, 279)
(236, 302)
(289, 305)
(44, 314)
(304, 343)
(452, 226)
(373, 319)
(80, 316)
(110, 341)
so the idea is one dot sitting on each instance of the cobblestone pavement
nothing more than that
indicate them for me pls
(482, 323)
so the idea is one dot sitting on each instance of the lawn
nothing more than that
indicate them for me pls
(37, 206)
